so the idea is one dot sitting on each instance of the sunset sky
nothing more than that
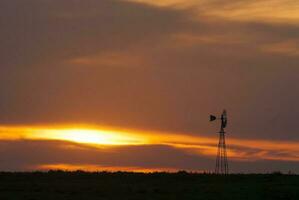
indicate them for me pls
(130, 84)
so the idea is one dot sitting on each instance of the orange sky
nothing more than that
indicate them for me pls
(129, 84)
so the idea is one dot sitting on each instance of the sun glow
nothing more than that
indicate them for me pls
(93, 136)
(78, 135)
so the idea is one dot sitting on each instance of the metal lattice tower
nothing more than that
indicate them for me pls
(221, 159)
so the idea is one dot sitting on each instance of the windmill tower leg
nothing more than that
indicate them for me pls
(221, 159)
(218, 158)
(225, 156)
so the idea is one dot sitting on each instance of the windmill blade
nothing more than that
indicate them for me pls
(224, 119)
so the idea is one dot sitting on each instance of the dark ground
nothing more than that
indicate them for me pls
(58, 185)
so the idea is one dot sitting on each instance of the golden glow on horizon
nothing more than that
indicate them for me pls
(101, 137)
(93, 168)
(78, 135)
(238, 149)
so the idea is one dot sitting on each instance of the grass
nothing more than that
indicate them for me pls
(56, 185)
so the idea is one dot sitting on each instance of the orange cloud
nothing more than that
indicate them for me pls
(238, 149)
(287, 47)
(111, 59)
(285, 11)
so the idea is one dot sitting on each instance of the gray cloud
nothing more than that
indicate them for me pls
(29, 155)
(26, 154)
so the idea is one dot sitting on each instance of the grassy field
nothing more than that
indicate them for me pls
(58, 185)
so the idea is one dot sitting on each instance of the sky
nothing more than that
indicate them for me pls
(130, 84)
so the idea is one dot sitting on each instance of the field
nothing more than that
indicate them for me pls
(56, 185)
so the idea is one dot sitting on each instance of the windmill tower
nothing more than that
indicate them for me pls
(221, 160)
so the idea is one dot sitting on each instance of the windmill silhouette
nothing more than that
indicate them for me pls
(221, 159)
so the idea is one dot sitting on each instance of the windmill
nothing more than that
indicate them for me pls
(221, 159)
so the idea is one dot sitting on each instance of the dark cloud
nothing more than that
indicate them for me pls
(186, 68)
(30, 155)
(26, 154)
